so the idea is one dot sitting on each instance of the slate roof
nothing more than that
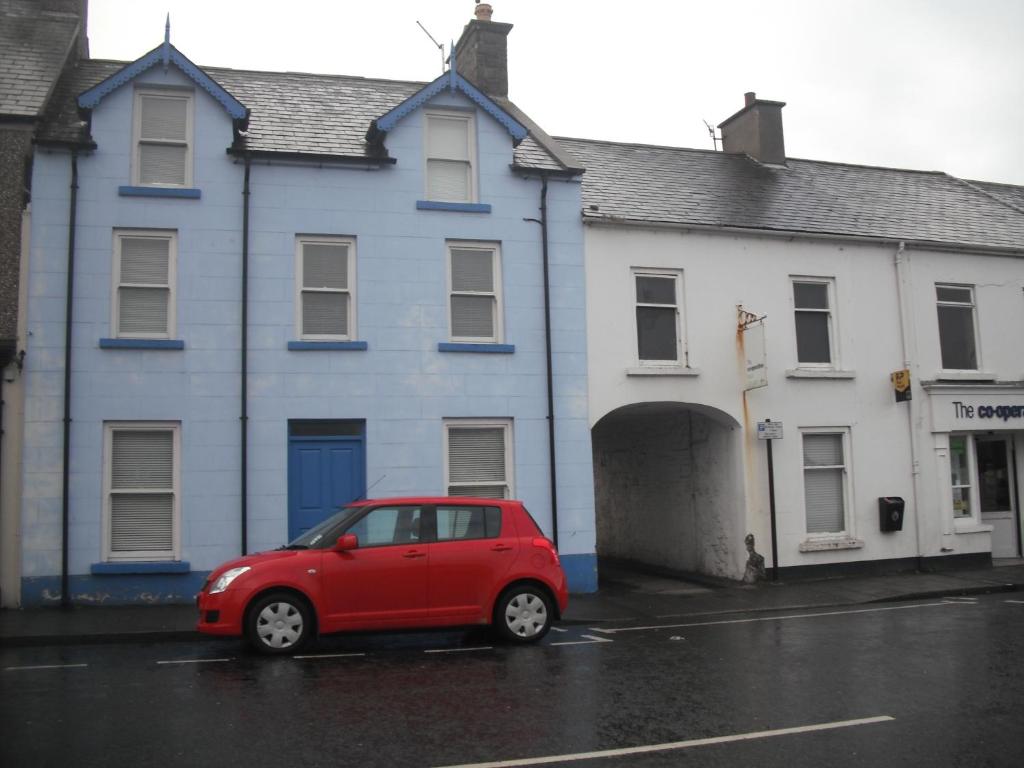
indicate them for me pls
(669, 185)
(290, 112)
(34, 44)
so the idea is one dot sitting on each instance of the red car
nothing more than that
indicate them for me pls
(390, 564)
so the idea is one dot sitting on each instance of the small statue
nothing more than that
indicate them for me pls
(755, 563)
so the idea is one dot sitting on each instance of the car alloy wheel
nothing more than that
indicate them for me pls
(278, 623)
(524, 614)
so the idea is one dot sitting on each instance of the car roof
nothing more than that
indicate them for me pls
(436, 500)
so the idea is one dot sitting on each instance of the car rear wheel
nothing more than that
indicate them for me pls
(278, 623)
(523, 614)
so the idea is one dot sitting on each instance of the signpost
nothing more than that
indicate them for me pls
(771, 430)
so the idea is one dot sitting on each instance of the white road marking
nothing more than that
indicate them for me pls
(192, 661)
(769, 618)
(965, 599)
(460, 650)
(1016, 602)
(328, 655)
(589, 641)
(44, 666)
(558, 629)
(677, 744)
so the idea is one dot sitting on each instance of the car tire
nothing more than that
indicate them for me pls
(279, 622)
(523, 614)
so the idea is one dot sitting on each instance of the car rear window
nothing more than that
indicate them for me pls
(536, 528)
(458, 523)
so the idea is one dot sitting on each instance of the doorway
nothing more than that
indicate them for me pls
(326, 470)
(997, 493)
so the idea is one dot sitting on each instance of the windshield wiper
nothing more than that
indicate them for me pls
(295, 546)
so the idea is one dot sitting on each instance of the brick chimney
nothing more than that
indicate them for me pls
(757, 130)
(481, 55)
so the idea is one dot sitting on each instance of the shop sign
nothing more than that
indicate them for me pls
(963, 410)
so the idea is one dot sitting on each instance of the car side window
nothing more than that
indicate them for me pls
(459, 523)
(388, 525)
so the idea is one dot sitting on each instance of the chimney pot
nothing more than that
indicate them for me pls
(483, 11)
(749, 98)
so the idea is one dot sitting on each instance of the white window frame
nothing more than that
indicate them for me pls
(471, 151)
(848, 529)
(974, 322)
(830, 312)
(506, 426)
(172, 279)
(496, 293)
(682, 354)
(973, 495)
(137, 140)
(302, 240)
(109, 428)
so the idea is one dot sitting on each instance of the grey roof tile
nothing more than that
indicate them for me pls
(670, 185)
(35, 39)
(290, 111)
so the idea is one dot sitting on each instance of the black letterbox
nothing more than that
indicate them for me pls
(890, 513)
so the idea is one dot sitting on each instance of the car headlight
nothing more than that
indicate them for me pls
(227, 577)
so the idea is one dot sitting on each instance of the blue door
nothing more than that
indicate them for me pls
(324, 473)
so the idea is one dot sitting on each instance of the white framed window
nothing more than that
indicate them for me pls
(142, 491)
(162, 138)
(958, 340)
(478, 458)
(826, 491)
(143, 305)
(813, 302)
(474, 292)
(325, 272)
(659, 317)
(450, 157)
(961, 470)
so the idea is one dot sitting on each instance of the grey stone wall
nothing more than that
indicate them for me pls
(15, 148)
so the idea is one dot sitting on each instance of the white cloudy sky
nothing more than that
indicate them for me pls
(927, 84)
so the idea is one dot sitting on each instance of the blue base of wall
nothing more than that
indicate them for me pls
(119, 589)
(581, 572)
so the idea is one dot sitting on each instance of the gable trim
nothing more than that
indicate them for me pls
(453, 81)
(165, 54)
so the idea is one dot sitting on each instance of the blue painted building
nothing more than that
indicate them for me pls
(290, 291)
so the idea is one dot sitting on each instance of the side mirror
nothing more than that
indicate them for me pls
(346, 542)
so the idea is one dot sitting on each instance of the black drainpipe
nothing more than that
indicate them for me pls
(245, 357)
(547, 352)
(65, 591)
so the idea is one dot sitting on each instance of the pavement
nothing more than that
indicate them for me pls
(624, 596)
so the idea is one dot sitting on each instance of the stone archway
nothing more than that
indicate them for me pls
(668, 487)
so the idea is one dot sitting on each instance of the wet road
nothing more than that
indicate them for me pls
(939, 683)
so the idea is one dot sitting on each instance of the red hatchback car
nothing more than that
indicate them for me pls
(390, 564)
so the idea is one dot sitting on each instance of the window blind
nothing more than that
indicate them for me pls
(476, 462)
(142, 491)
(823, 483)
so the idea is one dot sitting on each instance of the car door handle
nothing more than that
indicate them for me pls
(414, 553)
(500, 548)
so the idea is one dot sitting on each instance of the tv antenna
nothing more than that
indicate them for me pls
(711, 132)
(440, 46)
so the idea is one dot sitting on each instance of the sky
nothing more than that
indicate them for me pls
(934, 85)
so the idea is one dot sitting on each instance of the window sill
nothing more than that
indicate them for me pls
(663, 370)
(971, 527)
(117, 569)
(337, 346)
(142, 344)
(500, 349)
(828, 545)
(965, 376)
(437, 205)
(185, 192)
(819, 373)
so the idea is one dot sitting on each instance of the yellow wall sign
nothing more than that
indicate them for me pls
(901, 383)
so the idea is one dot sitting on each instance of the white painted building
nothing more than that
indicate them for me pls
(857, 273)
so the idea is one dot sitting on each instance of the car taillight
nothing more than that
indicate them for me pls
(545, 544)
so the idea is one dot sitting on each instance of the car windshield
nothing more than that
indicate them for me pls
(316, 537)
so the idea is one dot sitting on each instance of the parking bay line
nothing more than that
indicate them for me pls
(675, 745)
(770, 618)
(1016, 602)
(589, 641)
(460, 650)
(192, 661)
(44, 666)
(328, 655)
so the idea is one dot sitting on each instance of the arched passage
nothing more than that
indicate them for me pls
(668, 486)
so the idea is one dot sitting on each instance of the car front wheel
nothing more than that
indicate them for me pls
(523, 614)
(278, 623)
